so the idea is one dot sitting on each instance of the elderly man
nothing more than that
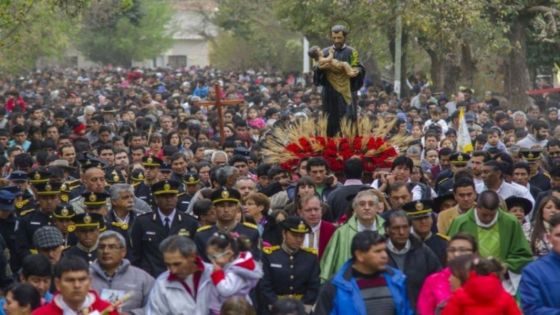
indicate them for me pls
(539, 282)
(73, 284)
(113, 276)
(122, 215)
(321, 231)
(366, 208)
(184, 287)
(93, 180)
(498, 233)
(151, 229)
(245, 186)
(408, 254)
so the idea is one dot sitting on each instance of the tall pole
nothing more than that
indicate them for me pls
(398, 52)
(305, 55)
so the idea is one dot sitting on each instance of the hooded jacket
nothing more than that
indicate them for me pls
(127, 279)
(236, 279)
(481, 295)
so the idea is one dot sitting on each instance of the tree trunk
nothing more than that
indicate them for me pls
(468, 65)
(452, 71)
(436, 70)
(517, 73)
(372, 68)
(405, 91)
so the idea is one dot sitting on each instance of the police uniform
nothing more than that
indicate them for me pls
(94, 201)
(288, 273)
(445, 180)
(122, 227)
(540, 180)
(8, 225)
(65, 212)
(33, 220)
(435, 241)
(79, 202)
(114, 176)
(143, 190)
(190, 179)
(204, 233)
(137, 176)
(149, 231)
(85, 221)
(24, 200)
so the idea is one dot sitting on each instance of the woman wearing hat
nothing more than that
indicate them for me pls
(520, 207)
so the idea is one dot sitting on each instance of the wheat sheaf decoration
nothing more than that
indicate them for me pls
(364, 139)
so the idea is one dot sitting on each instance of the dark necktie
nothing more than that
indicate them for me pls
(166, 225)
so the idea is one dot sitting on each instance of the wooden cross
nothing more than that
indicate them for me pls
(219, 102)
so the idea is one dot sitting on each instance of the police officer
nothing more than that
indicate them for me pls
(86, 227)
(136, 177)
(24, 200)
(8, 221)
(97, 202)
(226, 204)
(150, 229)
(191, 181)
(151, 165)
(537, 177)
(420, 215)
(47, 200)
(290, 271)
(445, 180)
(62, 219)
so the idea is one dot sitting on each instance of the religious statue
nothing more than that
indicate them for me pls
(339, 71)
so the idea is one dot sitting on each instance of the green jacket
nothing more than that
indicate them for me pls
(515, 251)
(338, 249)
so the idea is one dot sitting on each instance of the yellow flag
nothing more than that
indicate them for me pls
(464, 143)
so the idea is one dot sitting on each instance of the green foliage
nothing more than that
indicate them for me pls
(33, 29)
(117, 32)
(254, 38)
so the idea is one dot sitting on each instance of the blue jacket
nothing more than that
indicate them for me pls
(348, 299)
(540, 286)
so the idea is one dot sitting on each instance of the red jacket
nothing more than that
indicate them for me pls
(481, 295)
(326, 231)
(11, 104)
(53, 309)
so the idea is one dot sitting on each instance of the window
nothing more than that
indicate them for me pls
(177, 61)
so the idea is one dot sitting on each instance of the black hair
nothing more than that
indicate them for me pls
(224, 240)
(489, 199)
(23, 161)
(202, 206)
(353, 169)
(445, 152)
(316, 161)
(481, 153)
(402, 161)
(25, 294)
(523, 165)
(36, 265)
(553, 143)
(463, 182)
(554, 220)
(70, 263)
(288, 306)
(465, 237)
(364, 240)
(238, 158)
(539, 124)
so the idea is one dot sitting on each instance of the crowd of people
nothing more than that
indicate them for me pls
(119, 196)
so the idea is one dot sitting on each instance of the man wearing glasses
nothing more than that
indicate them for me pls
(114, 277)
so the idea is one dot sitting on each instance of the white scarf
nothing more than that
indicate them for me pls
(486, 225)
(67, 310)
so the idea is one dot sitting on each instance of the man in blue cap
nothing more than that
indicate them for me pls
(24, 199)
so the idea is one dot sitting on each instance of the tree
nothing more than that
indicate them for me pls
(118, 32)
(33, 29)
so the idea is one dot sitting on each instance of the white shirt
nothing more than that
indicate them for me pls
(362, 227)
(315, 231)
(416, 190)
(507, 190)
(170, 216)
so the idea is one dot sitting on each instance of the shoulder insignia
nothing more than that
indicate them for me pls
(203, 228)
(180, 194)
(26, 212)
(547, 175)
(443, 180)
(270, 249)
(445, 237)
(310, 250)
(250, 225)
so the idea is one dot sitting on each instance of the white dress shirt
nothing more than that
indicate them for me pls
(507, 190)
